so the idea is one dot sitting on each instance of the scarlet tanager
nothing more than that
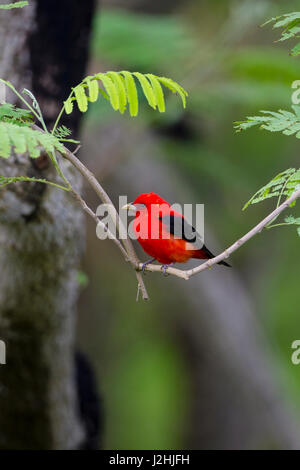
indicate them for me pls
(164, 233)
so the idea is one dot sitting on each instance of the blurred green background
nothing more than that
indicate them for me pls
(158, 364)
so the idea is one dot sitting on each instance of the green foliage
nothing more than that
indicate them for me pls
(9, 6)
(62, 133)
(9, 113)
(286, 122)
(22, 139)
(141, 41)
(120, 89)
(291, 220)
(284, 184)
(262, 65)
(5, 180)
(283, 121)
(290, 23)
(82, 279)
(17, 135)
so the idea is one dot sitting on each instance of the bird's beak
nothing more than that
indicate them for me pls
(129, 207)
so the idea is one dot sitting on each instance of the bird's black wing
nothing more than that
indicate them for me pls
(180, 228)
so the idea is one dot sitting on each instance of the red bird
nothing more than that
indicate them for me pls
(164, 233)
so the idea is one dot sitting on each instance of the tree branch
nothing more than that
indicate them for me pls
(92, 214)
(94, 183)
(128, 251)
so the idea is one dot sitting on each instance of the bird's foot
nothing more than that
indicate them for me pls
(164, 268)
(146, 263)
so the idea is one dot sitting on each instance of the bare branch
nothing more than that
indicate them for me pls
(159, 269)
(77, 149)
(131, 254)
(128, 250)
(92, 214)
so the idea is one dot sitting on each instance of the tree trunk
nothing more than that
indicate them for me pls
(44, 48)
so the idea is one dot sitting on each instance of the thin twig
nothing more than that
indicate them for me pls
(77, 148)
(128, 251)
(92, 214)
(94, 183)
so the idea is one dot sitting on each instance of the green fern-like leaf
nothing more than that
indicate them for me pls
(158, 92)
(175, 88)
(290, 23)
(131, 91)
(283, 121)
(119, 83)
(284, 184)
(111, 90)
(295, 50)
(120, 88)
(6, 180)
(9, 6)
(147, 89)
(62, 132)
(69, 105)
(93, 90)
(290, 219)
(9, 113)
(81, 98)
(21, 139)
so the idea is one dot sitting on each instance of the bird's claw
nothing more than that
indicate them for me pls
(143, 268)
(146, 263)
(164, 269)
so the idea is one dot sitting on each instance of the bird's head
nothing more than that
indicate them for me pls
(145, 201)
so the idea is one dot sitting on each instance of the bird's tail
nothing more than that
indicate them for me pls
(205, 253)
(225, 264)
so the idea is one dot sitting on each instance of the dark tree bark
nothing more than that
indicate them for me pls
(58, 47)
(44, 47)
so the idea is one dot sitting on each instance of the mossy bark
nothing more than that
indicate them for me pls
(41, 240)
